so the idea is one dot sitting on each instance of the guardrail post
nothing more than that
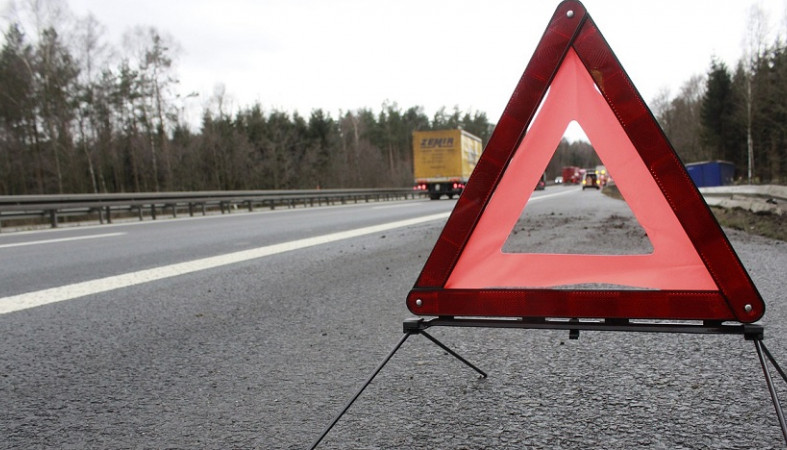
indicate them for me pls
(153, 211)
(109, 214)
(53, 217)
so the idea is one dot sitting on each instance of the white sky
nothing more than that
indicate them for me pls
(340, 55)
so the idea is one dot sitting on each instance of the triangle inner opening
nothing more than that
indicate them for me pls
(563, 216)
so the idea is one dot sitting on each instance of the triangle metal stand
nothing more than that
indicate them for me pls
(412, 326)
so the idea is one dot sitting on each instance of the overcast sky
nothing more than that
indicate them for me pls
(340, 55)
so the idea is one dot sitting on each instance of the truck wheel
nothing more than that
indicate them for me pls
(434, 196)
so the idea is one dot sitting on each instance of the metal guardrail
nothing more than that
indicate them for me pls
(53, 208)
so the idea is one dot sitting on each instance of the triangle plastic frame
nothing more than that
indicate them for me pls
(571, 31)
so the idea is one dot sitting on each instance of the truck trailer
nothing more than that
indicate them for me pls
(443, 161)
(572, 175)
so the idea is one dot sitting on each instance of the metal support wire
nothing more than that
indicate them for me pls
(407, 333)
(773, 361)
(454, 354)
(360, 391)
(769, 381)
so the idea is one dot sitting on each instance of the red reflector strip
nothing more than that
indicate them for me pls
(599, 304)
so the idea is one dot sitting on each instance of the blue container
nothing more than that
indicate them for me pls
(711, 173)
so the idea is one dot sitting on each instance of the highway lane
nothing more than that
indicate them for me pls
(163, 363)
(39, 260)
(47, 259)
(261, 353)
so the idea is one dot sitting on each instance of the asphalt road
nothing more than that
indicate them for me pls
(262, 352)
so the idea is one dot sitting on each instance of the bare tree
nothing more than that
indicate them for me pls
(754, 49)
(38, 15)
(679, 117)
(153, 56)
(92, 55)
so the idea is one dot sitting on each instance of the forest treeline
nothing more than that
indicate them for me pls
(735, 115)
(79, 116)
(75, 120)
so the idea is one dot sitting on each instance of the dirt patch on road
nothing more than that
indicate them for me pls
(761, 224)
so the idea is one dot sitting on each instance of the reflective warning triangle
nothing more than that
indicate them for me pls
(693, 271)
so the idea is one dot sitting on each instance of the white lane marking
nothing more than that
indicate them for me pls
(555, 194)
(52, 241)
(400, 205)
(72, 291)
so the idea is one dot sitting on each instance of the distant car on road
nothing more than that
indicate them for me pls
(542, 182)
(559, 180)
(590, 180)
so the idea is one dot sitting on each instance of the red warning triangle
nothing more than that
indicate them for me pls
(692, 273)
